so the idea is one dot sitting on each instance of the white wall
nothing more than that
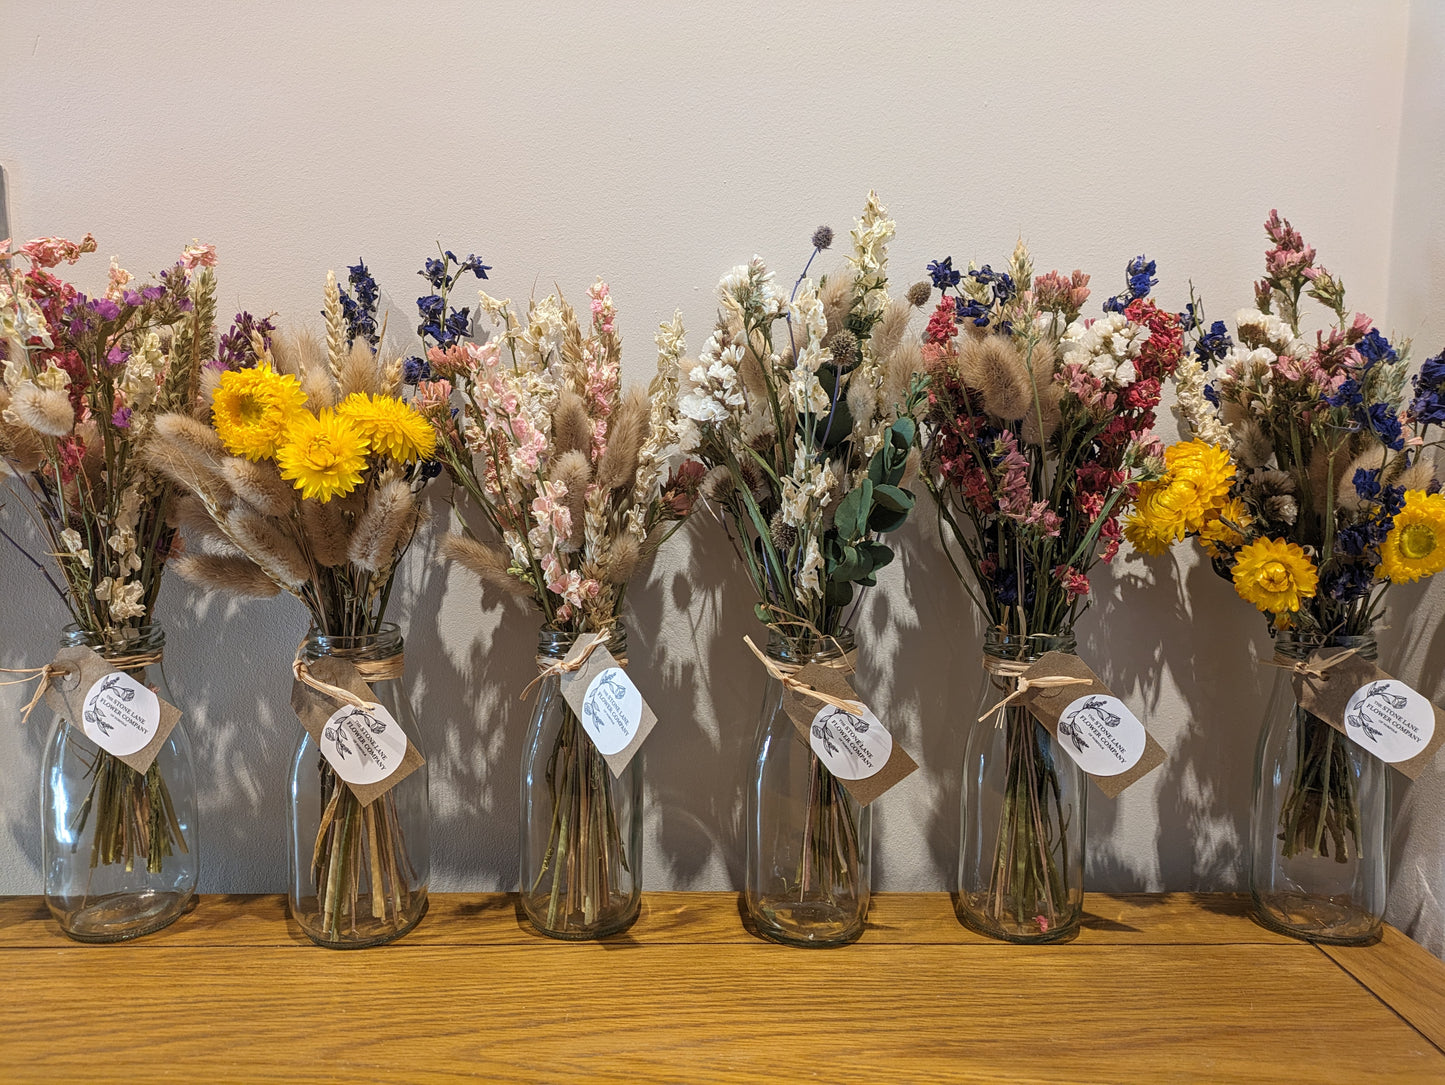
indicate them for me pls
(658, 146)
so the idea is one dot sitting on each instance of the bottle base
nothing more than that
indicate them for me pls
(371, 933)
(1036, 930)
(809, 924)
(1328, 920)
(581, 931)
(120, 917)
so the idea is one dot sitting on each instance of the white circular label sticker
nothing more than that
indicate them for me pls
(852, 745)
(120, 715)
(1390, 720)
(363, 745)
(611, 711)
(1102, 735)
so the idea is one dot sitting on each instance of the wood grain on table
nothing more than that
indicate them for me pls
(1177, 987)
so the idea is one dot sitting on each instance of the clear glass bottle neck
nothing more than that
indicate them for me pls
(1296, 646)
(140, 640)
(557, 643)
(383, 644)
(808, 648)
(1026, 649)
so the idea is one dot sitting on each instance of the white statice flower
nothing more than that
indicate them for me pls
(1106, 348)
(715, 391)
(75, 546)
(1258, 329)
(810, 576)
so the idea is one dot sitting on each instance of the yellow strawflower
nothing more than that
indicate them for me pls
(323, 455)
(392, 426)
(1217, 535)
(1274, 575)
(1415, 546)
(251, 407)
(1195, 485)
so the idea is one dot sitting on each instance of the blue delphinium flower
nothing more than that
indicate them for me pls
(1429, 403)
(1000, 283)
(1141, 279)
(1367, 482)
(1214, 344)
(1346, 581)
(1189, 319)
(943, 273)
(439, 324)
(359, 312)
(968, 309)
(1386, 424)
(1348, 394)
(1374, 348)
(415, 370)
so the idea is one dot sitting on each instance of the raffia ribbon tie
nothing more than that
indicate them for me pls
(369, 670)
(1306, 667)
(786, 675)
(1008, 668)
(47, 674)
(546, 666)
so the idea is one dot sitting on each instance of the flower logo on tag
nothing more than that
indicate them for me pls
(1102, 735)
(1390, 720)
(853, 745)
(120, 715)
(363, 745)
(611, 711)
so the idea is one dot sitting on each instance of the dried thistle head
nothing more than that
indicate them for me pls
(919, 293)
(625, 434)
(489, 563)
(1252, 446)
(994, 366)
(574, 472)
(784, 535)
(822, 237)
(327, 533)
(623, 558)
(43, 410)
(716, 485)
(1347, 496)
(844, 346)
(260, 485)
(571, 428)
(1418, 475)
(385, 528)
(232, 574)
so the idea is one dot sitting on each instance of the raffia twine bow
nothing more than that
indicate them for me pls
(547, 666)
(1308, 667)
(49, 673)
(369, 670)
(1011, 668)
(785, 673)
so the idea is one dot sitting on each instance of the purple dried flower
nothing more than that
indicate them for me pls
(117, 355)
(121, 418)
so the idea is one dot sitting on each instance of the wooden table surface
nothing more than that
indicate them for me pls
(1178, 987)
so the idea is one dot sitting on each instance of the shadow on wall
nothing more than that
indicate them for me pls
(687, 622)
(471, 654)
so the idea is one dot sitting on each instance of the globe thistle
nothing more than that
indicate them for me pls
(844, 345)
(918, 294)
(822, 237)
(784, 535)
